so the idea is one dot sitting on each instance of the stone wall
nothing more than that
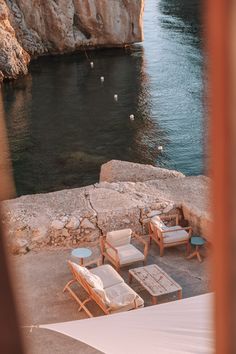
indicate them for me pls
(75, 216)
(32, 28)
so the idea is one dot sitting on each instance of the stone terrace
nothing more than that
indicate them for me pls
(43, 228)
(43, 274)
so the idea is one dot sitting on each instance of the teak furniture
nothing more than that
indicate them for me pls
(169, 236)
(111, 294)
(155, 281)
(117, 248)
(196, 241)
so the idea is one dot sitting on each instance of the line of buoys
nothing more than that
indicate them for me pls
(102, 79)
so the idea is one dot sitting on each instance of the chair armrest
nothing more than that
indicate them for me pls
(104, 242)
(139, 238)
(189, 229)
(110, 246)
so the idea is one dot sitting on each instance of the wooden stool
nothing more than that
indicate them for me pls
(196, 241)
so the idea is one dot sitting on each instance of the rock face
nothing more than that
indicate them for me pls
(121, 171)
(13, 58)
(31, 28)
(81, 215)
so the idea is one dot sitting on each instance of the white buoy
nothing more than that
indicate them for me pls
(91, 64)
(160, 148)
(102, 78)
(116, 97)
(131, 117)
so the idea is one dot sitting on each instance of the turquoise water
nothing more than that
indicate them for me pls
(63, 123)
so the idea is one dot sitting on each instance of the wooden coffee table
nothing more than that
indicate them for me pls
(155, 281)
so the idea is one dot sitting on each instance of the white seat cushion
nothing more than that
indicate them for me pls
(121, 295)
(119, 237)
(108, 275)
(175, 236)
(127, 254)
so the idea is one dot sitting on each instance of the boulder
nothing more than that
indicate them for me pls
(39, 234)
(121, 171)
(57, 224)
(19, 246)
(86, 224)
(73, 223)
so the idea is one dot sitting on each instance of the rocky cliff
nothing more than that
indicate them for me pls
(32, 28)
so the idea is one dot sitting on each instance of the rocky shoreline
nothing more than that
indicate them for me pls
(78, 216)
(29, 29)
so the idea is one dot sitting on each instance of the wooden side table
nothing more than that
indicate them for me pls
(196, 241)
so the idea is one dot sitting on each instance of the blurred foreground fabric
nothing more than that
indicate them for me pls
(184, 326)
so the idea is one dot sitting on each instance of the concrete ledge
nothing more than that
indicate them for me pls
(122, 171)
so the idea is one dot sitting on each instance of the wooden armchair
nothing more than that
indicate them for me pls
(117, 248)
(169, 236)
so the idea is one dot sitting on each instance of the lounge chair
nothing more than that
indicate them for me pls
(169, 236)
(105, 287)
(117, 248)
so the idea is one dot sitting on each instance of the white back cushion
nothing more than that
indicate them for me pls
(156, 221)
(93, 280)
(119, 237)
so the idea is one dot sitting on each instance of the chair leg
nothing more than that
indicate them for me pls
(83, 303)
(188, 248)
(199, 257)
(118, 268)
(194, 254)
(198, 254)
(68, 284)
(161, 251)
(103, 258)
